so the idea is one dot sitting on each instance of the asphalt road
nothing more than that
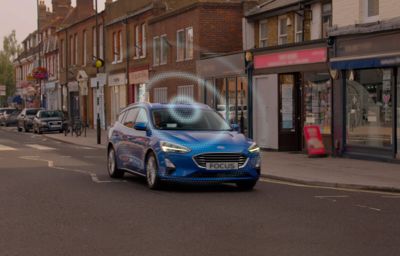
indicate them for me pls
(57, 199)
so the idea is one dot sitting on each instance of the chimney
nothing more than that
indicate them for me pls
(61, 7)
(84, 4)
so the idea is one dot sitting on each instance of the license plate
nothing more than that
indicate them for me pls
(222, 166)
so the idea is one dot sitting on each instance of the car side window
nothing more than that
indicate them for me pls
(142, 117)
(130, 117)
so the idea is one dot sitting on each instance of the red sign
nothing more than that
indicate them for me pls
(290, 58)
(315, 146)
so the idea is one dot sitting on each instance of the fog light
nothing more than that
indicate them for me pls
(258, 163)
(170, 166)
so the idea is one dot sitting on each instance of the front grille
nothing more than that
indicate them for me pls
(201, 160)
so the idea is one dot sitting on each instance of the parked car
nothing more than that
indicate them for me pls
(48, 121)
(181, 143)
(9, 116)
(25, 119)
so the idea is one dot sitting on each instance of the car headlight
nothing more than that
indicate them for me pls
(254, 148)
(173, 148)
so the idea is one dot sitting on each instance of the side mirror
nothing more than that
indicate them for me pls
(235, 127)
(141, 126)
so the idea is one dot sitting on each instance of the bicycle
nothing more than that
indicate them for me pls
(74, 127)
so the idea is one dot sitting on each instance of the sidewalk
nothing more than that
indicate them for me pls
(299, 168)
(90, 140)
(331, 172)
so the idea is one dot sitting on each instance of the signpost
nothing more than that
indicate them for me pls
(315, 146)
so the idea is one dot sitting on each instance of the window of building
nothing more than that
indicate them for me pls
(371, 10)
(263, 33)
(189, 43)
(298, 28)
(369, 107)
(94, 41)
(156, 51)
(62, 53)
(186, 93)
(117, 47)
(143, 50)
(164, 49)
(137, 43)
(161, 95)
(180, 45)
(282, 30)
(326, 19)
(76, 49)
(84, 48)
(71, 50)
(101, 42)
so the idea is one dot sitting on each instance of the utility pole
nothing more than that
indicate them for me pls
(39, 46)
(98, 128)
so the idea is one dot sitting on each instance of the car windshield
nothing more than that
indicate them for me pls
(31, 112)
(10, 111)
(50, 114)
(193, 119)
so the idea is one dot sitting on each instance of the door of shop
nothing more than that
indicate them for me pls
(289, 113)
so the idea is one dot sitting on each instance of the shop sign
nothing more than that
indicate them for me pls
(315, 146)
(50, 86)
(139, 77)
(118, 79)
(288, 58)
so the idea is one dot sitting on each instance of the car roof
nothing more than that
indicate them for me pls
(168, 105)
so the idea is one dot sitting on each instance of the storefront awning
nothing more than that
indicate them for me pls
(364, 63)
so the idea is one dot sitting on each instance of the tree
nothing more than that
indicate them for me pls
(10, 51)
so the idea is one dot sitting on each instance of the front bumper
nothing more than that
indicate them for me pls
(187, 170)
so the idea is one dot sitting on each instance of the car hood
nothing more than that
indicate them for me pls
(207, 140)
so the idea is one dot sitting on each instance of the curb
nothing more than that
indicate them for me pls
(333, 185)
(101, 146)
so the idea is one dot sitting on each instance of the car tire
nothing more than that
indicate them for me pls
(152, 178)
(26, 128)
(246, 185)
(19, 129)
(112, 167)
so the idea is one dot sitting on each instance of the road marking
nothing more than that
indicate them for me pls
(82, 147)
(39, 147)
(292, 184)
(323, 197)
(6, 148)
(369, 208)
(51, 164)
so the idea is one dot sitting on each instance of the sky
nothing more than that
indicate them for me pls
(21, 16)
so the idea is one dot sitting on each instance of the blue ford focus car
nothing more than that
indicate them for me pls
(181, 143)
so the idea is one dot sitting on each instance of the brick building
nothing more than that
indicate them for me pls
(181, 36)
(77, 38)
(291, 82)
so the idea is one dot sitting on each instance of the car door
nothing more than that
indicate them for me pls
(125, 150)
(139, 141)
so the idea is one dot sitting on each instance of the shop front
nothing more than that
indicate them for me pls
(368, 69)
(225, 87)
(118, 93)
(53, 95)
(291, 89)
(138, 79)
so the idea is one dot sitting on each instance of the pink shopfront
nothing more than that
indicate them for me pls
(291, 89)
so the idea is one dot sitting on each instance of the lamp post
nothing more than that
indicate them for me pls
(249, 70)
(98, 128)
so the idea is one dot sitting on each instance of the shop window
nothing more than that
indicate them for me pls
(317, 101)
(369, 107)
(282, 30)
(398, 113)
(263, 34)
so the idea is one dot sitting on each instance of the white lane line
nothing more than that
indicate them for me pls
(369, 208)
(323, 197)
(92, 175)
(39, 147)
(6, 148)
